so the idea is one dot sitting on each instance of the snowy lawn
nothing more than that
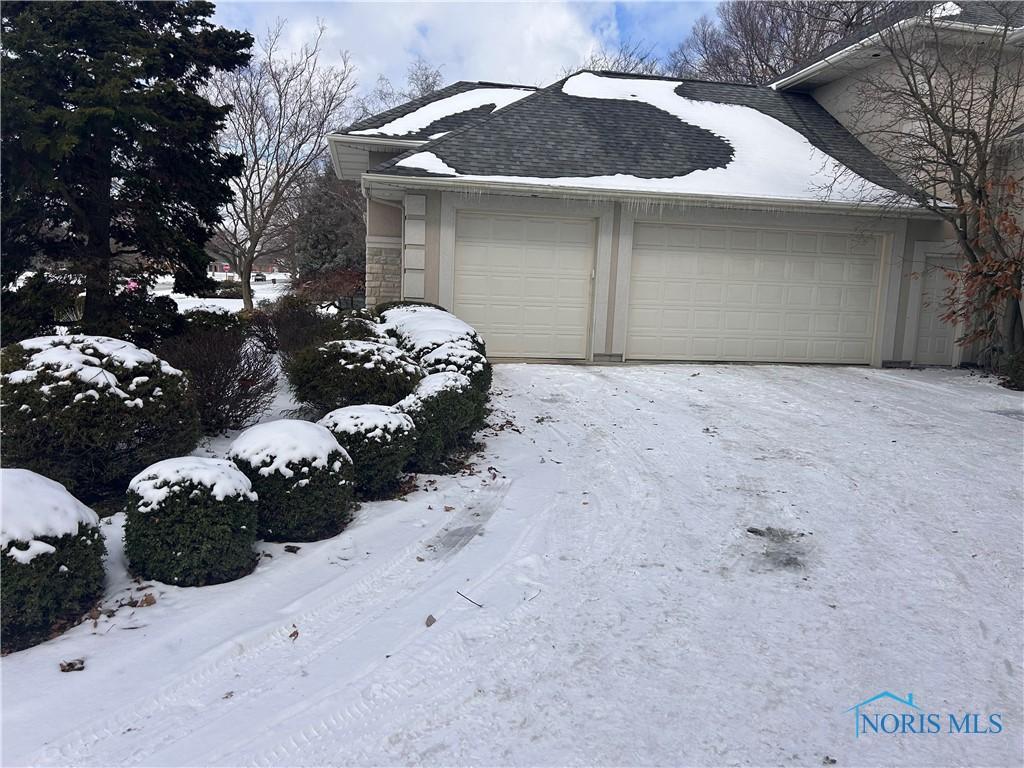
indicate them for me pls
(260, 291)
(629, 615)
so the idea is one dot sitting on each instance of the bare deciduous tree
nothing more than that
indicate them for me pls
(635, 57)
(755, 42)
(422, 79)
(944, 108)
(284, 106)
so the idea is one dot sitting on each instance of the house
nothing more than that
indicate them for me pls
(614, 217)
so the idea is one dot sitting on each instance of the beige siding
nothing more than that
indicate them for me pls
(383, 220)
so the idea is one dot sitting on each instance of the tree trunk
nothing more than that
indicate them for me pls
(96, 315)
(245, 275)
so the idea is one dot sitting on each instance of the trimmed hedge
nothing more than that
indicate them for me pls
(191, 522)
(47, 581)
(91, 411)
(460, 357)
(384, 306)
(342, 373)
(302, 476)
(379, 439)
(446, 409)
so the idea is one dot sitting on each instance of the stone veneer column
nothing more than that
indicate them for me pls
(383, 275)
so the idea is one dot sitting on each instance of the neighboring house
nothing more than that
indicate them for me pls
(623, 217)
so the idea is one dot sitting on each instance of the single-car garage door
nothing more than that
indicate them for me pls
(524, 282)
(712, 293)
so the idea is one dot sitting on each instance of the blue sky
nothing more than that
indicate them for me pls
(504, 41)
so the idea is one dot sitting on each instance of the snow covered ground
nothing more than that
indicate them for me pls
(261, 292)
(628, 614)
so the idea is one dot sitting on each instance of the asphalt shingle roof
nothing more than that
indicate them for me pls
(447, 123)
(551, 134)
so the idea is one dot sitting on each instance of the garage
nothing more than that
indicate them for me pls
(524, 282)
(752, 294)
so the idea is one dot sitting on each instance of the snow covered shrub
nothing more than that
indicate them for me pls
(380, 441)
(51, 558)
(357, 328)
(384, 306)
(446, 410)
(91, 411)
(138, 316)
(302, 476)
(341, 373)
(233, 374)
(422, 328)
(460, 357)
(36, 305)
(191, 521)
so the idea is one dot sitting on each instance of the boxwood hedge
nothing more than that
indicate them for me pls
(446, 409)
(380, 441)
(190, 522)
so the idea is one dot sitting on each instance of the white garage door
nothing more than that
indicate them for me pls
(524, 282)
(710, 293)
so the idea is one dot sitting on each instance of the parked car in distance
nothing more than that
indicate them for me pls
(259, 277)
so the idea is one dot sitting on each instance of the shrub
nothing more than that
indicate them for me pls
(460, 358)
(1012, 372)
(137, 316)
(446, 410)
(358, 328)
(420, 329)
(91, 411)
(233, 374)
(302, 476)
(37, 306)
(380, 441)
(299, 324)
(384, 306)
(51, 558)
(191, 521)
(341, 373)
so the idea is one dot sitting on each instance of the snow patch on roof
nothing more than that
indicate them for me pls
(278, 446)
(945, 9)
(157, 482)
(428, 114)
(771, 160)
(33, 506)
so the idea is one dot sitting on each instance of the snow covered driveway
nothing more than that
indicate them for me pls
(677, 565)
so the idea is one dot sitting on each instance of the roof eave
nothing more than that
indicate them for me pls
(832, 60)
(378, 141)
(711, 201)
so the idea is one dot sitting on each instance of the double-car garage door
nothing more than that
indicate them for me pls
(694, 292)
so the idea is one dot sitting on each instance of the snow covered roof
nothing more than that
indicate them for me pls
(34, 506)
(448, 109)
(975, 14)
(606, 131)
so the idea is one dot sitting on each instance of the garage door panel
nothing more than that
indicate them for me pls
(756, 294)
(524, 282)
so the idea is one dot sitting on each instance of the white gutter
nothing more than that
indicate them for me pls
(379, 141)
(958, 26)
(589, 193)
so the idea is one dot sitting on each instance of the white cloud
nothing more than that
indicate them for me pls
(529, 43)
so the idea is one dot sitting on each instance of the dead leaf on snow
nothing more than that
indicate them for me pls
(294, 634)
(75, 665)
(431, 621)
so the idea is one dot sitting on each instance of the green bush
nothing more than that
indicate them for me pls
(302, 476)
(341, 373)
(91, 411)
(143, 319)
(384, 306)
(37, 306)
(420, 329)
(1012, 372)
(191, 522)
(446, 410)
(51, 561)
(357, 328)
(463, 358)
(299, 324)
(379, 439)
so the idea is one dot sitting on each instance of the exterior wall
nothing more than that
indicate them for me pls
(383, 274)
(383, 220)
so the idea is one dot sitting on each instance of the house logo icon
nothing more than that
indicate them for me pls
(908, 703)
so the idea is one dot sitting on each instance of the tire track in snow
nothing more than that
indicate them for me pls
(183, 701)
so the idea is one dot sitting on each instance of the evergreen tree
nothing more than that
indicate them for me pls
(109, 153)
